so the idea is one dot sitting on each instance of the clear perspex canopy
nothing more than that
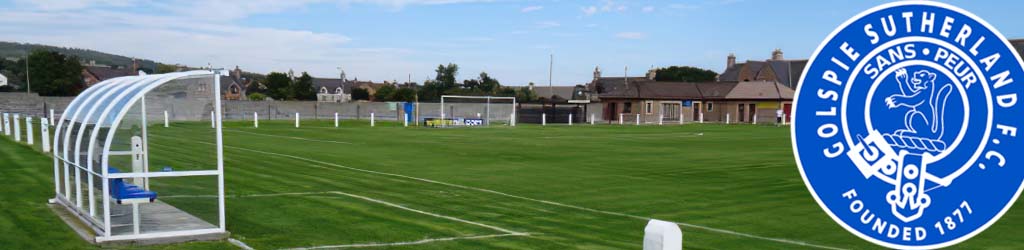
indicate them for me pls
(123, 168)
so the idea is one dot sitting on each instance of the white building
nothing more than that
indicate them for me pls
(3, 80)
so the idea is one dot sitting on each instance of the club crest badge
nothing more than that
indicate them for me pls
(905, 125)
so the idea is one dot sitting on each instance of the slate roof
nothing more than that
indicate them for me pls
(105, 73)
(565, 92)
(657, 90)
(759, 90)
(787, 72)
(652, 90)
(715, 90)
(331, 84)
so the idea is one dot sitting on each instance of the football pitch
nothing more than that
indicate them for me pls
(527, 187)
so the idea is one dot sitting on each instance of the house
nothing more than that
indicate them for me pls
(93, 73)
(3, 80)
(735, 102)
(234, 86)
(777, 69)
(340, 89)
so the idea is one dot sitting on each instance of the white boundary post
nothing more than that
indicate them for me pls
(638, 119)
(661, 119)
(335, 119)
(754, 121)
(405, 122)
(166, 119)
(2, 123)
(255, 119)
(17, 128)
(783, 119)
(213, 119)
(591, 118)
(7, 124)
(702, 117)
(28, 131)
(44, 132)
(570, 119)
(296, 119)
(681, 117)
(620, 118)
(51, 118)
(373, 120)
(727, 119)
(543, 119)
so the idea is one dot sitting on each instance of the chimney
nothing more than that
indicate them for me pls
(652, 73)
(135, 65)
(730, 61)
(597, 73)
(777, 55)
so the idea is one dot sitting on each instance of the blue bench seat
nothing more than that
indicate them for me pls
(120, 190)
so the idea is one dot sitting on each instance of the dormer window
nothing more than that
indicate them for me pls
(323, 90)
(338, 91)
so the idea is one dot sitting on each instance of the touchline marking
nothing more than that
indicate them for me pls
(723, 231)
(240, 244)
(418, 242)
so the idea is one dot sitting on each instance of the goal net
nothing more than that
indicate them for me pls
(477, 111)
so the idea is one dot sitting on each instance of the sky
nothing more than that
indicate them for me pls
(512, 41)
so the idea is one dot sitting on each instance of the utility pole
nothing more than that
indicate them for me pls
(551, 66)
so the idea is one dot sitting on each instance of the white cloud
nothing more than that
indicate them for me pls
(648, 9)
(606, 6)
(528, 9)
(631, 35)
(548, 24)
(683, 6)
(590, 10)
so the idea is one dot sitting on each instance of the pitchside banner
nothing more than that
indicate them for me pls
(905, 125)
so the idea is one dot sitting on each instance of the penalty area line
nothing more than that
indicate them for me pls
(706, 228)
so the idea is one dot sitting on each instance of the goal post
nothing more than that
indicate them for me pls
(458, 110)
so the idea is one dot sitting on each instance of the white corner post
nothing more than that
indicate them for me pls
(51, 118)
(405, 122)
(17, 128)
(638, 119)
(373, 119)
(783, 119)
(28, 131)
(570, 119)
(44, 132)
(167, 119)
(335, 119)
(681, 117)
(296, 120)
(661, 119)
(255, 120)
(754, 121)
(591, 118)
(543, 119)
(727, 118)
(621, 116)
(662, 235)
(702, 117)
(213, 119)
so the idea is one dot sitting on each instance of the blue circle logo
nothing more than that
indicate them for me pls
(905, 125)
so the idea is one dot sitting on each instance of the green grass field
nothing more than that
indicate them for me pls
(528, 187)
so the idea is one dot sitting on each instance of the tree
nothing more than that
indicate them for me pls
(384, 93)
(54, 74)
(278, 86)
(684, 74)
(489, 85)
(257, 97)
(165, 68)
(302, 88)
(360, 94)
(446, 75)
(404, 94)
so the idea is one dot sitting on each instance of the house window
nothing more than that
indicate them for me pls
(323, 90)
(337, 91)
(711, 107)
(649, 107)
(234, 89)
(627, 107)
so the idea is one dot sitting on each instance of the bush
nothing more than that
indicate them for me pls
(257, 97)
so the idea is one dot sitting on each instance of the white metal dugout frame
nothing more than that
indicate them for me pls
(82, 147)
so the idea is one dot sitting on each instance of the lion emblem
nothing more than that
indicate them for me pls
(925, 102)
